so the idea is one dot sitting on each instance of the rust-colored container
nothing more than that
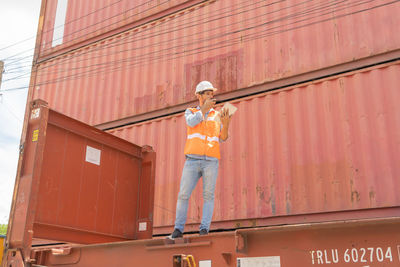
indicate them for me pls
(152, 69)
(90, 21)
(78, 184)
(373, 243)
(320, 151)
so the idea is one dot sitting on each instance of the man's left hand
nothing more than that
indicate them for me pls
(225, 118)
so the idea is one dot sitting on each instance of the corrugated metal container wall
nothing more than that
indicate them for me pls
(87, 19)
(79, 184)
(234, 44)
(327, 146)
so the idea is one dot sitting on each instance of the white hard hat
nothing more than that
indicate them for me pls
(204, 86)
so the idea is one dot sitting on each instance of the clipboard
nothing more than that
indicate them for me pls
(231, 108)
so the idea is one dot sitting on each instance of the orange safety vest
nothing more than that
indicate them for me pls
(203, 139)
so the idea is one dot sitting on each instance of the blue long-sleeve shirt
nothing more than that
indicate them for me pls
(192, 119)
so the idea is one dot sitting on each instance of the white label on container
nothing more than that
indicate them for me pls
(93, 155)
(273, 261)
(142, 226)
(35, 113)
(206, 263)
(59, 22)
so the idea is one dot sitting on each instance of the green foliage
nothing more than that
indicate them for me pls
(3, 229)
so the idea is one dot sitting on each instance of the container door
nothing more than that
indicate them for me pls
(78, 184)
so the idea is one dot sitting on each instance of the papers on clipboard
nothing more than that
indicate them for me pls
(231, 109)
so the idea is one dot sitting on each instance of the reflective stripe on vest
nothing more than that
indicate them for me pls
(203, 139)
(196, 135)
(211, 139)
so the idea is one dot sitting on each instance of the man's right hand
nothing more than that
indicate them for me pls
(208, 104)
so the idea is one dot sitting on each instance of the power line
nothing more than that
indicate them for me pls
(306, 12)
(51, 29)
(230, 43)
(30, 56)
(108, 54)
(10, 111)
(94, 70)
(87, 33)
(108, 25)
(190, 18)
(193, 52)
(66, 23)
(223, 43)
(119, 42)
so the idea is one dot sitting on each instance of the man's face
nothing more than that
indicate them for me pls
(206, 95)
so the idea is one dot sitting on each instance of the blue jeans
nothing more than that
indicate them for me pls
(192, 171)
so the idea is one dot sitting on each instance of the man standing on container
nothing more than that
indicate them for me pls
(205, 129)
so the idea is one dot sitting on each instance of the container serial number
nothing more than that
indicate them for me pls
(352, 255)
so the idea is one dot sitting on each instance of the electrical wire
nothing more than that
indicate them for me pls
(62, 78)
(91, 25)
(108, 54)
(191, 52)
(120, 41)
(11, 61)
(11, 111)
(170, 31)
(66, 23)
(307, 12)
(202, 49)
(30, 56)
(245, 38)
(155, 33)
(111, 24)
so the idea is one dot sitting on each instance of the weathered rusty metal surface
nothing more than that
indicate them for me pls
(234, 44)
(79, 184)
(90, 21)
(372, 243)
(324, 150)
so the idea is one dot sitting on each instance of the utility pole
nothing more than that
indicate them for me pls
(1, 71)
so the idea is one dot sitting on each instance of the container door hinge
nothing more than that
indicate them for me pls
(21, 148)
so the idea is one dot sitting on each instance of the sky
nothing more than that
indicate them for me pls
(19, 21)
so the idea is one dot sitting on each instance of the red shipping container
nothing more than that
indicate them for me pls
(325, 150)
(88, 21)
(234, 44)
(78, 184)
(356, 243)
